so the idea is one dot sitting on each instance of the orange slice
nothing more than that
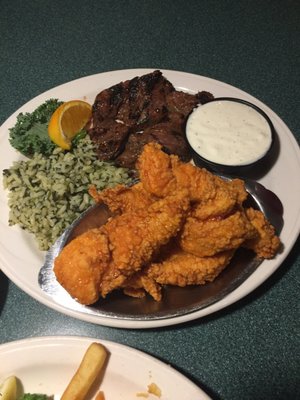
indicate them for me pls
(67, 120)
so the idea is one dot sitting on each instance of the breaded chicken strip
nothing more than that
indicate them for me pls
(203, 186)
(100, 260)
(155, 171)
(265, 244)
(228, 196)
(207, 238)
(182, 269)
(140, 284)
(120, 198)
(81, 264)
(162, 174)
(178, 268)
(179, 226)
(135, 237)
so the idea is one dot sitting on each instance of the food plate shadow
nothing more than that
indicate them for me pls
(260, 291)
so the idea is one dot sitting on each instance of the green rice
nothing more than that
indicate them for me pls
(47, 194)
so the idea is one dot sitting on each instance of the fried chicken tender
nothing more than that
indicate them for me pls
(209, 237)
(181, 225)
(203, 185)
(155, 171)
(182, 269)
(265, 244)
(161, 174)
(134, 237)
(228, 196)
(140, 284)
(100, 260)
(177, 268)
(121, 198)
(81, 264)
(217, 221)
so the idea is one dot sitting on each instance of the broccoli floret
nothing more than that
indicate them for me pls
(30, 133)
(29, 396)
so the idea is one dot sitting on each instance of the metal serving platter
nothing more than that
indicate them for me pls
(176, 301)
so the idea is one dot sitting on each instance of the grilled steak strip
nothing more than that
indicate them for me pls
(134, 112)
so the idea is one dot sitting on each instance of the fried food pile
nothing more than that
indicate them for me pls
(180, 225)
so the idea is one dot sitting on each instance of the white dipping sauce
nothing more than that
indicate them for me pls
(228, 132)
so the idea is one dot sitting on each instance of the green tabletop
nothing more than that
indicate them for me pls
(249, 350)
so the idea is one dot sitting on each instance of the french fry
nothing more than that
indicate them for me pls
(100, 396)
(87, 372)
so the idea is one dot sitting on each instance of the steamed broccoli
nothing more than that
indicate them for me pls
(30, 133)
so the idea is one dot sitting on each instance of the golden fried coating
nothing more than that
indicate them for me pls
(100, 260)
(178, 269)
(140, 284)
(182, 269)
(155, 171)
(212, 195)
(181, 225)
(161, 174)
(212, 236)
(265, 244)
(134, 237)
(222, 204)
(120, 198)
(81, 264)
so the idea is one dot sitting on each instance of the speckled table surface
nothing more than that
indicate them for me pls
(248, 350)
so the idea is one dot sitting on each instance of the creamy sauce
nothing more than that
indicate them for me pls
(228, 132)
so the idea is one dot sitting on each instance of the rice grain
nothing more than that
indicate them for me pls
(47, 194)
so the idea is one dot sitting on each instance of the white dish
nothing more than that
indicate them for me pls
(46, 365)
(21, 260)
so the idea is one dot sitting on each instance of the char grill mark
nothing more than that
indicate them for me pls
(169, 134)
(132, 150)
(109, 139)
(107, 103)
(132, 113)
(145, 104)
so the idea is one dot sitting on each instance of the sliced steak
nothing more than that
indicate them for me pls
(132, 149)
(204, 97)
(171, 138)
(167, 134)
(181, 102)
(132, 113)
(109, 139)
(108, 102)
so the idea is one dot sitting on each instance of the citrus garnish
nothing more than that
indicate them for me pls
(67, 120)
(8, 389)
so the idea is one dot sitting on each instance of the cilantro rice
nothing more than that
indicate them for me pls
(47, 194)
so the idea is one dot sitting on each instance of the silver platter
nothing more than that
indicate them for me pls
(176, 301)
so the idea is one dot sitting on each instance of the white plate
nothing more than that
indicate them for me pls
(21, 260)
(46, 365)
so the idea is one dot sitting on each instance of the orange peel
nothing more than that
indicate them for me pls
(68, 120)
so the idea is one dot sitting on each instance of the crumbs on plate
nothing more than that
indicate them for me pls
(152, 389)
